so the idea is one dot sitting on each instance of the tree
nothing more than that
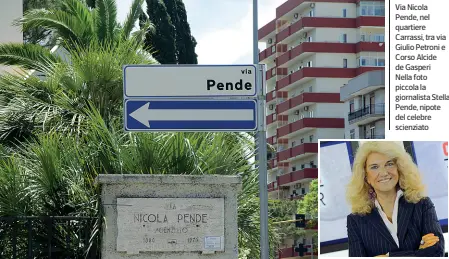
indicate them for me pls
(39, 35)
(309, 206)
(185, 42)
(282, 211)
(75, 25)
(70, 125)
(161, 41)
(172, 35)
(97, 48)
(54, 175)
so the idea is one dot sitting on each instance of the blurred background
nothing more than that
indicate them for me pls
(335, 163)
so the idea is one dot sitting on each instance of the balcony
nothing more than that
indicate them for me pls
(361, 70)
(271, 118)
(272, 163)
(271, 186)
(271, 96)
(315, 22)
(367, 114)
(310, 72)
(298, 175)
(363, 84)
(270, 73)
(370, 46)
(271, 140)
(307, 123)
(314, 47)
(370, 21)
(297, 151)
(267, 53)
(307, 99)
(267, 29)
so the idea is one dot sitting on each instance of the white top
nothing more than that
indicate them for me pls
(392, 226)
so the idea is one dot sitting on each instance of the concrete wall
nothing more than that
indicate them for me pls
(10, 10)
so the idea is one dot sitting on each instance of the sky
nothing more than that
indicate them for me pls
(222, 28)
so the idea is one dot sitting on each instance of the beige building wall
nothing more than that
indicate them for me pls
(10, 10)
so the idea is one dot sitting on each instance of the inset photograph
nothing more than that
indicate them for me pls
(383, 198)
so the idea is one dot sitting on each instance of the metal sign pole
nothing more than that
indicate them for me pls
(261, 140)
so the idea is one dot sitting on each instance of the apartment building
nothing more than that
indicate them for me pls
(364, 99)
(314, 47)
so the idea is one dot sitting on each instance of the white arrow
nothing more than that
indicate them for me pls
(144, 115)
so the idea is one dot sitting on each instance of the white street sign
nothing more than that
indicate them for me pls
(152, 81)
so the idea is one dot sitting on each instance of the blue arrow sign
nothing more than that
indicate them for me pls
(190, 115)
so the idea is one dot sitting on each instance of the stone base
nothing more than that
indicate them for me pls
(188, 217)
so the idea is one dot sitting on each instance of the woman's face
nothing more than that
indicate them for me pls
(381, 172)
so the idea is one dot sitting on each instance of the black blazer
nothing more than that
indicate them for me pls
(368, 236)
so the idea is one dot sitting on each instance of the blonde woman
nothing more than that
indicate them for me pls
(390, 215)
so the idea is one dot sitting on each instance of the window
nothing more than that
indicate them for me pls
(293, 143)
(273, 48)
(311, 13)
(302, 140)
(311, 138)
(310, 89)
(344, 38)
(344, 13)
(351, 105)
(352, 134)
(372, 131)
(379, 38)
(371, 60)
(372, 37)
(309, 39)
(381, 62)
(309, 64)
(371, 8)
(345, 62)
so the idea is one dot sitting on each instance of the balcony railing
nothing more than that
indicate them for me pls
(372, 109)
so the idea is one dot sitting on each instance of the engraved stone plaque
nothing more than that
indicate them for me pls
(170, 225)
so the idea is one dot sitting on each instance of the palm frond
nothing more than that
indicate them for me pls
(106, 19)
(65, 25)
(28, 56)
(131, 19)
(14, 200)
(81, 11)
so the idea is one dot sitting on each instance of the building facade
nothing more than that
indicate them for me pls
(10, 11)
(364, 98)
(314, 48)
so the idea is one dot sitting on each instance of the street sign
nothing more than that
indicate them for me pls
(163, 81)
(190, 115)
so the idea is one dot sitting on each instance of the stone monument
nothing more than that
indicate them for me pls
(169, 216)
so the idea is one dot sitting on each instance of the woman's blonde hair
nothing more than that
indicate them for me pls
(409, 176)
